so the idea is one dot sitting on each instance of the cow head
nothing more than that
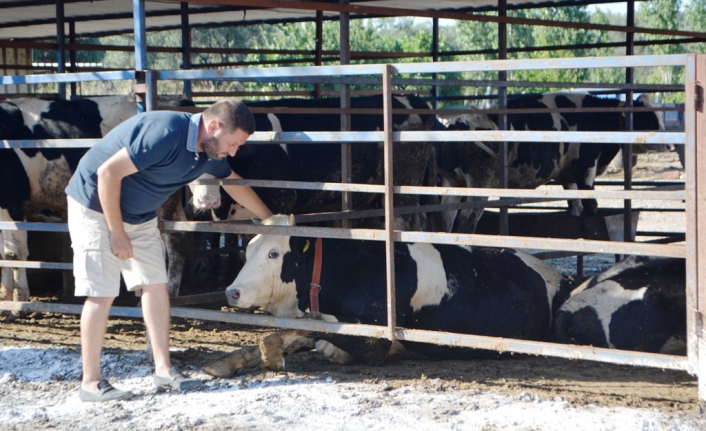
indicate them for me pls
(648, 121)
(267, 278)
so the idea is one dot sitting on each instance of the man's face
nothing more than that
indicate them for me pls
(220, 144)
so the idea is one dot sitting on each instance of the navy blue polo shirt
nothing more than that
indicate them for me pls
(162, 145)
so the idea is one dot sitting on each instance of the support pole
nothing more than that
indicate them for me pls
(435, 58)
(60, 47)
(503, 228)
(319, 53)
(389, 204)
(72, 53)
(138, 14)
(346, 156)
(186, 46)
(627, 148)
(694, 158)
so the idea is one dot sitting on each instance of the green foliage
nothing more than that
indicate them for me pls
(294, 44)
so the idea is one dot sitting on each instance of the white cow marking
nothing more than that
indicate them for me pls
(277, 127)
(31, 110)
(552, 278)
(431, 276)
(606, 298)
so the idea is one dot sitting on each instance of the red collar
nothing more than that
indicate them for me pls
(315, 287)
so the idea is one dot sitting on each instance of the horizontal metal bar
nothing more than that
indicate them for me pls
(446, 338)
(431, 67)
(470, 136)
(662, 193)
(547, 349)
(49, 143)
(34, 265)
(40, 227)
(67, 77)
(652, 138)
(579, 245)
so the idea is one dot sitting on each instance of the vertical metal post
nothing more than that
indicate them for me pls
(503, 228)
(695, 156)
(151, 93)
(72, 52)
(138, 15)
(435, 58)
(346, 169)
(319, 54)
(627, 148)
(60, 46)
(388, 70)
(186, 46)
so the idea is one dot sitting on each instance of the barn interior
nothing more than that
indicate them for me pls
(65, 31)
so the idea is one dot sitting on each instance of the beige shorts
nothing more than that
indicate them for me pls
(96, 270)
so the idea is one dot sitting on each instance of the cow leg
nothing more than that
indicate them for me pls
(575, 205)
(232, 363)
(175, 243)
(468, 218)
(274, 346)
(14, 280)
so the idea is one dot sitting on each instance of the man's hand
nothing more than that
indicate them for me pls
(120, 245)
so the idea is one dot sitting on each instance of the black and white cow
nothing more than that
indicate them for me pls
(638, 304)
(322, 162)
(461, 289)
(38, 176)
(532, 164)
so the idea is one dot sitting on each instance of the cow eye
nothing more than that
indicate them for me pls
(274, 254)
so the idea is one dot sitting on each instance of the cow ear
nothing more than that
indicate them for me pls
(300, 246)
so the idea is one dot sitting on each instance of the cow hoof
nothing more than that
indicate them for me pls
(229, 365)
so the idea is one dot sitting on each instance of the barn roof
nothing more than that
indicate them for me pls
(36, 19)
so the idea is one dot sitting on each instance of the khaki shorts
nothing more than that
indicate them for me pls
(96, 270)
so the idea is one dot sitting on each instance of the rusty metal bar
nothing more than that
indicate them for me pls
(695, 156)
(389, 203)
(461, 16)
(579, 245)
(664, 192)
(451, 339)
(345, 98)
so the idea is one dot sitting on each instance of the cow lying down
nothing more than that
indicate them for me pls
(461, 289)
(638, 304)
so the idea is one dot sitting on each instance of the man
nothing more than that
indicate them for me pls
(112, 198)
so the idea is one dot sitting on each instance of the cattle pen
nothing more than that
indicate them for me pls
(695, 66)
(386, 76)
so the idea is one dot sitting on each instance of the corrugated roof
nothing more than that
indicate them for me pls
(36, 19)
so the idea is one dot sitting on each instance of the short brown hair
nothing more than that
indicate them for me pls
(233, 114)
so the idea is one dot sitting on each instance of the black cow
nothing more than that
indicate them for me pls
(38, 177)
(638, 304)
(322, 162)
(462, 289)
(533, 164)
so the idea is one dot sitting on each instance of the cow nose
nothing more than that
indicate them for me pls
(209, 201)
(235, 295)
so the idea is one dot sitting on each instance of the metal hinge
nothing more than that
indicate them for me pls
(699, 322)
(699, 97)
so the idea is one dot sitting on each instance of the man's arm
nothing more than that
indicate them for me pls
(110, 176)
(247, 197)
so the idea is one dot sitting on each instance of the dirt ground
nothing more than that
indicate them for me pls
(579, 383)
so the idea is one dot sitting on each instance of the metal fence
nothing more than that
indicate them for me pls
(693, 137)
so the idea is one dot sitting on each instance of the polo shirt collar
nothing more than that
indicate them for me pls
(193, 133)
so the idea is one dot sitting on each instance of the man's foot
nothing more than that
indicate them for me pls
(176, 381)
(106, 392)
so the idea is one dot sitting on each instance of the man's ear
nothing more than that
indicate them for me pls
(212, 125)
